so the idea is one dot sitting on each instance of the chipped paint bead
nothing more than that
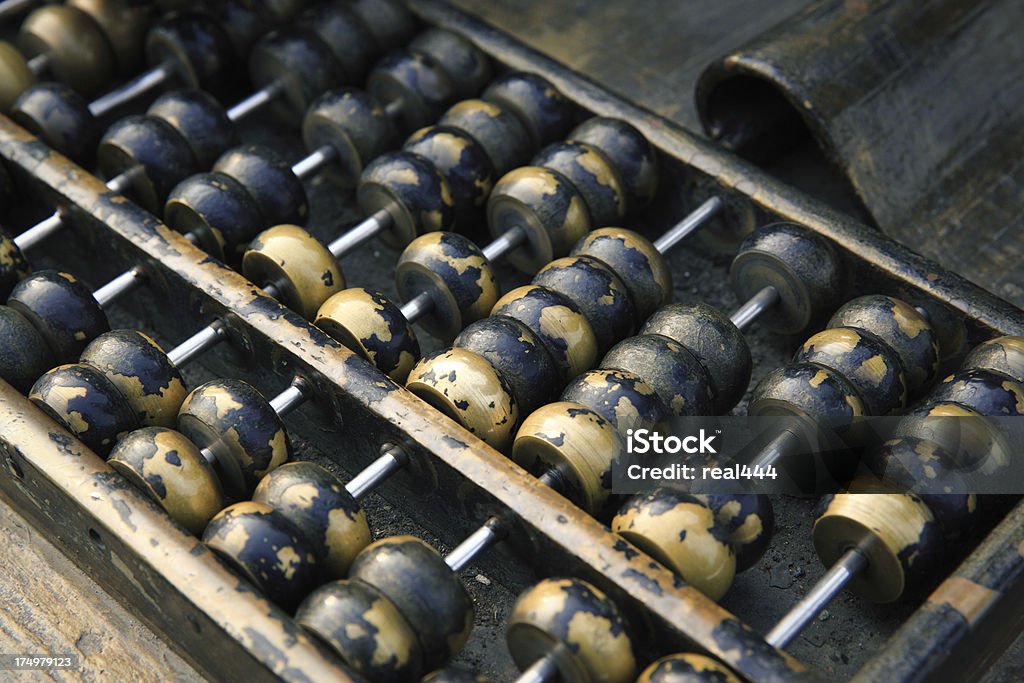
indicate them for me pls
(803, 267)
(976, 444)
(86, 403)
(369, 324)
(596, 646)
(455, 674)
(714, 340)
(518, 354)
(467, 67)
(547, 206)
(299, 62)
(413, 192)
(390, 23)
(592, 174)
(123, 25)
(632, 156)
(428, 594)
(345, 34)
(302, 269)
(578, 443)
(172, 471)
(687, 668)
(988, 392)
(316, 502)
(542, 109)
(622, 398)
(60, 117)
(1004, 355)
(749, 521)
(463, 163)
(235, 421)
(896, 532)
(153, 150)
(24, 354)
(263, 546)
(269, 180)
(77, 51)
(868, 363)
(242, 22)
(902, 328)
(200, 119)
(13, 265)
(416, 82)
(597, 291)
(459, 278)
(469, 390)
(684, 534)
(15, 75)
(496, 129)
(638, 264)
(365, 629)
(557, 322)
(218, 210)
(62, 309)
(200, 50)
(142, 372)
(352, 123)
(808, 390)
(676, 374)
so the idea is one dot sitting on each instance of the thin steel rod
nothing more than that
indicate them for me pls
(290, 399)
(11, 8)
(689, 224)
(542, 670)
(392, 460)
(489, 533)
(39, 232)
(501, 246)
(142, 83)
(417, 307)
(352, 238)
(119, 286)
(255, 101)
(198, 344)
(392, 109)
(782, 444)
(750, 311)
(39, 64)
(313, 162)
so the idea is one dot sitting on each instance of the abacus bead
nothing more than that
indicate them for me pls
(200, 119)
(86, 403)
(316, 502)
(263, 546)
(62, 309)
(77, 51)
(559, 324)
(988, 392)
(123, 25)
(978, 445)
(516, 352)
(598, 292)
(429, 595)
(243, 22)
(365, 628)
(415, 194)
(714, 340)
(278, 193)
(632, 156)
(416, 82)
(1002, 354)
(232, 419)
(142, 372)
(901, 327)
(196, 47)
(749, 521)
(369, 324)
(152, 146)
(345, 34)
(541, 108)
(638, 264)
(593, 176)
(172, 471)
(24, 354)
(305, 273)
(471, 391)
(13, 265)
(455, 674)
(15, 76)
(8, 199)
(461, 283)
(461, 161)
(296, 60)
(622, 398)
(495, 128)
(467, 67)
(390, 23)
(806, 389)
(594, 639)
(217, 210)
(60, 117)
(575, 441)
(682, 533)
(544, 204)
(867, 362)
(353, 123)
(802, 266)
(687, 668)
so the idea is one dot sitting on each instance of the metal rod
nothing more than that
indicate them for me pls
(542, 670)
(142, 83)
(271, 290)
(501, 246)
(291, 398)
(39, 64)
(120, 285)
(313, 162)
(12, 8)
(210, 457)
(689, 224)
(750, 311)
(198, 344)
(416, 307)
(392, 460)
(256, 101)
(392, 109)
(796, 620)
(785, 443)
(374, 225)
(39, 232)
(489, 533)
